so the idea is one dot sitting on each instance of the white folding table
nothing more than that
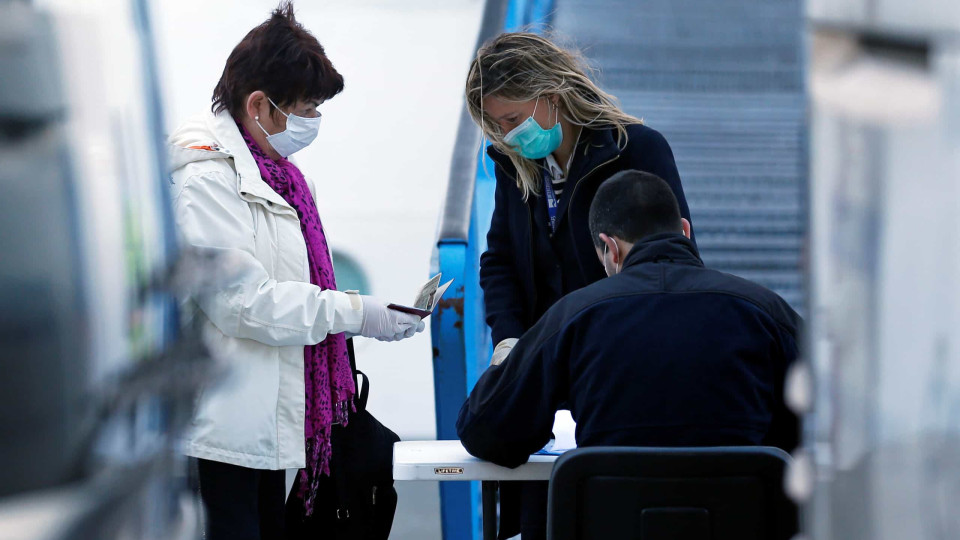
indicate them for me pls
(449, 461)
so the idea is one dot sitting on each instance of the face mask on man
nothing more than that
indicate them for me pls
(532, 141)
(604, 260)
(300, 132)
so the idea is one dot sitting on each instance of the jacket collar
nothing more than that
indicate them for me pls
(251, 184)
(596, 146)
(671, 247)
(217, 136)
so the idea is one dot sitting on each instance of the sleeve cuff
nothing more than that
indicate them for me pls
(349, 313)
(502, 350)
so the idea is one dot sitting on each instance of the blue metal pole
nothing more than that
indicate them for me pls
(461, 338)
(460, 500)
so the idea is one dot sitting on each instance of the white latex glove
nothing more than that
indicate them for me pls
(385, 324)
(409, 332)
(502, 350)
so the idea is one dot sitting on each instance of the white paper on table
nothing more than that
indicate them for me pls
(564, 433)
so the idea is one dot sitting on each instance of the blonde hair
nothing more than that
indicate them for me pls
(520, 66)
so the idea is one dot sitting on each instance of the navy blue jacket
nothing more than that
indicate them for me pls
(526, 268)
(665, 353)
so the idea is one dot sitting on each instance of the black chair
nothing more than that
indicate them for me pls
(631, 493)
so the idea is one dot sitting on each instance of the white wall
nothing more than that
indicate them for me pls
(382, 157)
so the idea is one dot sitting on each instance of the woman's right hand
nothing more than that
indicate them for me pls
(385, 324)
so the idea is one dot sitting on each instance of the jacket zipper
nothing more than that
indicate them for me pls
(573, 239)
(584, 177)
(530, 247)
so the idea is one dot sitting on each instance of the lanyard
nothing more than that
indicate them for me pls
(548, 187)
(551, 196)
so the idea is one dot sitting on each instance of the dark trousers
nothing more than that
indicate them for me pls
(242, 503)
(523, 510)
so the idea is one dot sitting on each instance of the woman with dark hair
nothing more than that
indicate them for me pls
(277, 321)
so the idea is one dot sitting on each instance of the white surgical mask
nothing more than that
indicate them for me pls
(605, 260)
(300, 132)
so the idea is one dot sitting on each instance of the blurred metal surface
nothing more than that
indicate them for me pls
(98, 377)
(27, 43)
(885, 353)
(42, 300)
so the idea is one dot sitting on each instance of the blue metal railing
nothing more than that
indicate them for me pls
(461, 338)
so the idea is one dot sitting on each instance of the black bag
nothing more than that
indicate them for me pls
(358, 500)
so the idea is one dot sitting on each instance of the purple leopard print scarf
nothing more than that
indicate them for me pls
(330, 385)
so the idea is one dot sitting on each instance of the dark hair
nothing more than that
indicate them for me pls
(281, 58)
(632, 205)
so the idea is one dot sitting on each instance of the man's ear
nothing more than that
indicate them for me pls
(255, 102)
(687, 228)
(612, 247)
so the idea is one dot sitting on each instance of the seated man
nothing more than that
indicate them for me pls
(664, 352)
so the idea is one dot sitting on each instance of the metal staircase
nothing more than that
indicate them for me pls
(723, 81)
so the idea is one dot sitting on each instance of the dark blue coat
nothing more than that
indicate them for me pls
(526, 268)
(665, 353)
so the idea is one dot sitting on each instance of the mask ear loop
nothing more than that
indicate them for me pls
(285, 115)
(618, 254)
(259, 125)
(257, 118)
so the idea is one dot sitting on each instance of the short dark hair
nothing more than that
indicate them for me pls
(632, 205)
(281, 58)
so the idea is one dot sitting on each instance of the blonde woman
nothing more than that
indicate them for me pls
(555, 137)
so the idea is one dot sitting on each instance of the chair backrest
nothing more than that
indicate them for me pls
(676, 493)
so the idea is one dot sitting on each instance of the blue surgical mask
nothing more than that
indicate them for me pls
(532, 141)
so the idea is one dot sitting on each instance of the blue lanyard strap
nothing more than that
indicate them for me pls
(551, 196)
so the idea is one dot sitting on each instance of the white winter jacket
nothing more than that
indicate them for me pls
(260, 320)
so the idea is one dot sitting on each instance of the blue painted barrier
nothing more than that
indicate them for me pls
(461, 338)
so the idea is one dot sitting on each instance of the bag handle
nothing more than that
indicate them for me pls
(363, 387)
(352, 355)
(363, 390)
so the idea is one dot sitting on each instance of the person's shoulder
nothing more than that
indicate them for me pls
(500, 159)
(763, 298)
(641, 137)
(495, 153)
(200, 172)
(203, 165)
(646, 149)
(498, 156)
(503, 169)
(194, 145)
(574, 304)
(194, 131)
